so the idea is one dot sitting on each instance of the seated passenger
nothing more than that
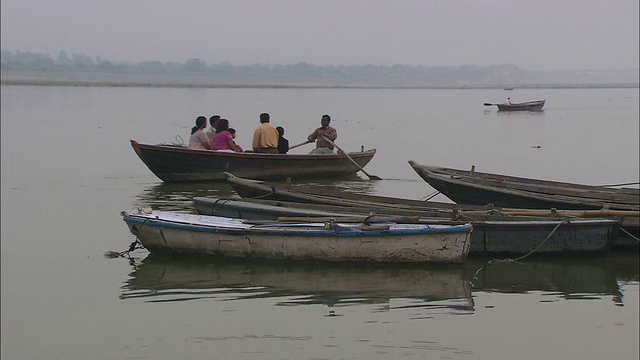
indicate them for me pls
(198, 139)
(233, 133)
(213, 121)
(283, 143)
(222, 138)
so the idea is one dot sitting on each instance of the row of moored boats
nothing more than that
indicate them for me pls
(494, 216)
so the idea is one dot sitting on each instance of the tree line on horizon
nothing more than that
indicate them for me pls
(494, 74)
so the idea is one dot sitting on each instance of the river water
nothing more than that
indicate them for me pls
(68, 170)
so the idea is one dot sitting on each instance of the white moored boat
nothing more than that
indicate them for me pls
(319, 241)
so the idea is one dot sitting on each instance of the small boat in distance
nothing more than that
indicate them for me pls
(524, 106)
(177, 163)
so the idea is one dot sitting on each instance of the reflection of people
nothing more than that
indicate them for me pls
(283, 143)
(233, 133)
(198, 139)
(322, 145)
(508, 101)
(223, 139)
(265, 137)
(213, 121)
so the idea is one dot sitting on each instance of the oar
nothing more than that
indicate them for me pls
(371, 177)
(297, 145)
(489, 104)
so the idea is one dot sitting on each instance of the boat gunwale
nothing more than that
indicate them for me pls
(292, 229)
(179, 149)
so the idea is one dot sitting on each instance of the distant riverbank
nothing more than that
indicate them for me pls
(226, 81)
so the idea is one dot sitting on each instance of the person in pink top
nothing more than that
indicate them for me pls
(222, 139)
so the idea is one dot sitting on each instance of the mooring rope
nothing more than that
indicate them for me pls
(135, 245)
(273, 192)
(630, 234)
(430, 196)
(625, 184)
(527, 254)
(542, 243)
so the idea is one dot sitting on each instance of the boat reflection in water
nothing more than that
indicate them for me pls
(574, 278)
(162, 278)
(179, 196)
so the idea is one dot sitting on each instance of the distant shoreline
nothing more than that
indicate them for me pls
(204, 82)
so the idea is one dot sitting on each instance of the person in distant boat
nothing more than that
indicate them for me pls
(198, 139)
(323, 146)
(283, 143)
(233, 133)
(223, 139)
(265, 137)
(508, 102)
(213, 121)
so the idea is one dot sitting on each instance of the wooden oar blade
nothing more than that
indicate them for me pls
(371, 177)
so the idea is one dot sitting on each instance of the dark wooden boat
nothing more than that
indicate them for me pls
(172, 163)
(494, 234)
(472, 187)
(514, 195)
(525, 106)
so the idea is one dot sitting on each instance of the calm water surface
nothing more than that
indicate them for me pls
(68, 170)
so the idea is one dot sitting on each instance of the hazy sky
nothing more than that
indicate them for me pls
(531, 34)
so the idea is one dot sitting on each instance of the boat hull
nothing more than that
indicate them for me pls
(576, 237)
(180, 164)
(208, 235)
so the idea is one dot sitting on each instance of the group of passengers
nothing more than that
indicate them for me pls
(266, 138)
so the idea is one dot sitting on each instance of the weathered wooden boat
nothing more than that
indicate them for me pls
(472, 187)
(515, 237)
(532, 197)
(493, 235)
(328, 241)
(173, 278)
(524, 106)
(256, 189)
(175, 163)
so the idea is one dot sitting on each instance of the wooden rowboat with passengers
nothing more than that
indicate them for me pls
(177, 163)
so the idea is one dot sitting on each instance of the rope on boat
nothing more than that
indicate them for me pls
(217, 204)
(273, 192)
(430, 196)
(566, 221)
(542, 243)
(525, 255)
(630, 234)
(135, 245)
(625, 184)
